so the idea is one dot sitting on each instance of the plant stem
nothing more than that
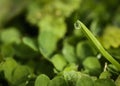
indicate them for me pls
(91, 37)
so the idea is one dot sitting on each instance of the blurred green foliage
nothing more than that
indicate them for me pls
(40, 47)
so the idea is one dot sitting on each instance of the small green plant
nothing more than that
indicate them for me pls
(39, 45)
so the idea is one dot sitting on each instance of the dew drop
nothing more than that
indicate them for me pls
(77, 25)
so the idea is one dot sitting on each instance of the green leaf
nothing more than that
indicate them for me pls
(65, 8)
(105, 75)
(55, 26)
(58, 61)
(10, 35)
(109, 37)
(51, 31)
(117, 81)
(42, 80)
(84, 81)
(20, 74)
(115, 52)
(69, 53)
(34, 13)
(95, 28)
(14, 73)
(30, 42)
(93, 65)
(104, 82)
(8, 67)
(47, 43)
(7, 51)
(24, 51)
(113, 69)
(58, 81)
(71, 77)
(71, 67)
(39, 10)
(82, 50)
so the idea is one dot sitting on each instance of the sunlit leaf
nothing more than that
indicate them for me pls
(8, 67)
(105, 75)
(50, 32)
(71, 77)
(59, 62)
(42, 80)
(55, 26)
(10, 35)
(111, 37)
(47, 43)
(69, 53)
(40, 9)
(58, 81)
(34, 13)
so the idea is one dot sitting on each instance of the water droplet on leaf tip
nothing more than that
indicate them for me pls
(77, 25)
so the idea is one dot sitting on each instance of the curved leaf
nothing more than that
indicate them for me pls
(42, 80)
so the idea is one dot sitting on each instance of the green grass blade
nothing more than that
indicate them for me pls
(91, 37)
